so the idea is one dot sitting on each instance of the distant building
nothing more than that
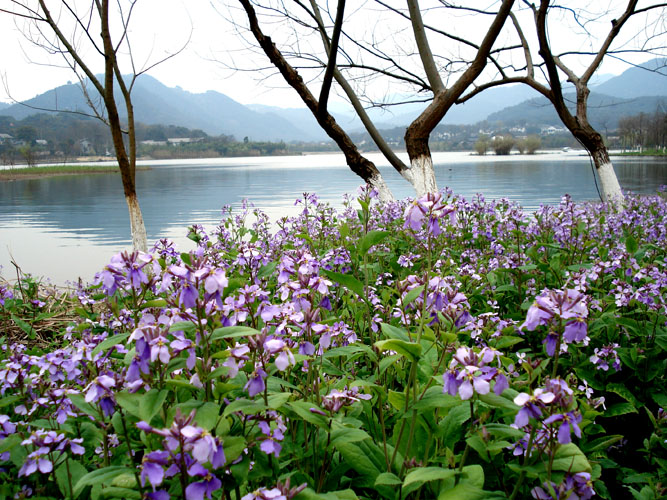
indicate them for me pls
(183, 140)
(86, 147)
(550, 130)
(5, 138)
(151, 142)
(42, 142)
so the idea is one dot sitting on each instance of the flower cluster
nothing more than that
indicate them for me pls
(469, 372)
(564, 312)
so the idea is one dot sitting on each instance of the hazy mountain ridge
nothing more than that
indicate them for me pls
(635, 90)
(155, 103)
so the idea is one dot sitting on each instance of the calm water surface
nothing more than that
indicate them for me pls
(68, 227)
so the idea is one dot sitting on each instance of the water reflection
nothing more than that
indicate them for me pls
(65, 227)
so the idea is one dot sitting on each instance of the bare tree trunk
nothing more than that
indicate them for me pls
(136, 223)
(125, 162)
(609, 186)
(419, 131)
(359, 164)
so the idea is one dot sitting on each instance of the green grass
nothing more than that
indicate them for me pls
(18, 173)
(646, 152)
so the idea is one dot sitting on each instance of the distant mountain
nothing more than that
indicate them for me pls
(641, 89)
(637, 89)
(300, 118)
(648, 79)
(603, 110)
(155, 103)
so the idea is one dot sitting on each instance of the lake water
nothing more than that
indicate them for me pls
(68, 227)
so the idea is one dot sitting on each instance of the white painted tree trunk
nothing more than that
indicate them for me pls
(609, 186)
(611, 189)
(421, 175)
(384, 193)
(137, 227)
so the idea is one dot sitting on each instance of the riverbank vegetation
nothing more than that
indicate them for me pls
(439, 348)
(12, 174)
(644, 133)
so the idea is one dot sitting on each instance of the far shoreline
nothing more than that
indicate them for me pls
(39, 172)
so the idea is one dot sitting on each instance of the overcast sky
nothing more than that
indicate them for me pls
(165, 26)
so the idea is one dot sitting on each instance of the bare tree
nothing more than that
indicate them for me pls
(84, 33)
(551, 75)
(367, 57)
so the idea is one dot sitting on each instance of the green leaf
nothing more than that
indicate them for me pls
(303, 410)
(496, 401)
(394, 332)
(244, 405)
(625, 393)
(267, 270)
(465, 491)
(100, 476)
(9, 400)
(631, 244)
(10, 442)
(416, 477)
(207, 415)
(185, 326)
(477, 444)
(601, 443)
(153, 303)
(387, 362)
(370, 239)
(506, 341)
(412, 295)
(341, 434)
(181, 384)
(570, 458)
(619, 409)
(110, 342)
(26, 327)
(387, 479)
(232, 332)
(76, 472)
(360, 459)
(396, 399)
(410, 350)
(350, 350)
(346, 280)
(130, 402)
(151, 403)
(233, 446)
(115, 492)
(451, 427)
(275, 401)
(79, 401)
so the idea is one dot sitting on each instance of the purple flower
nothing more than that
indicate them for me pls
(474, 375)
(530, 406)
(574, 486)
(99, 390)
(152, 467)
(255, 384)
(569, 422)
(37, 460)
(265, 494)
(205, 487)
(564, 304)
(430, 206)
